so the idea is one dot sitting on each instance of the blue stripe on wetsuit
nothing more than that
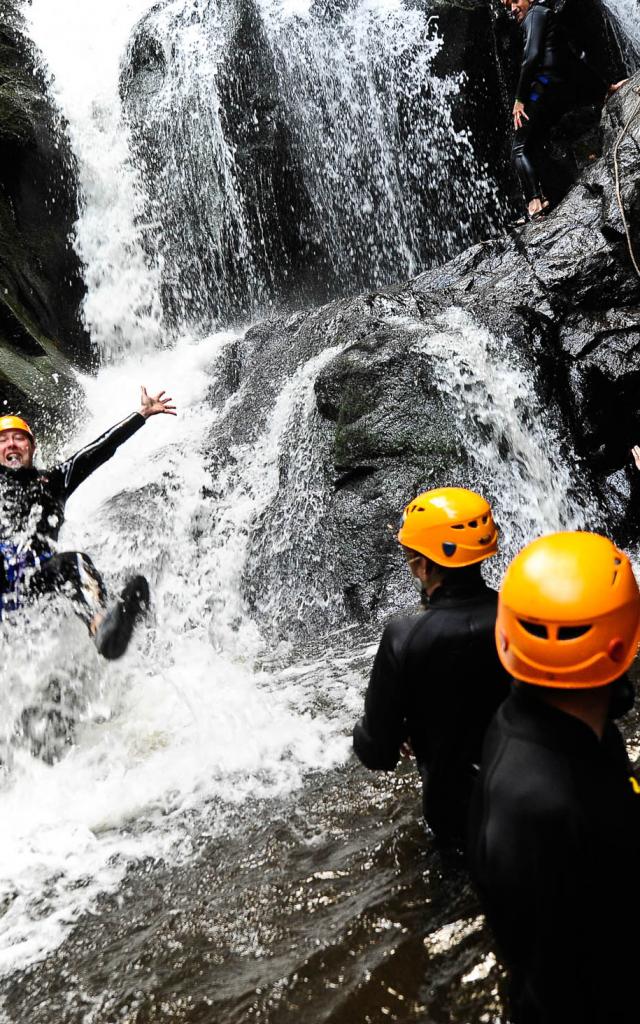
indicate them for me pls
(15, 564)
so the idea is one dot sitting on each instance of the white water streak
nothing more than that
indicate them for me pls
(83, 42)
(512, 440)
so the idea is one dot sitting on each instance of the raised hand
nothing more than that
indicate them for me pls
(151, 405)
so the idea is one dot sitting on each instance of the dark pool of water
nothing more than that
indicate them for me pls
(331, 905)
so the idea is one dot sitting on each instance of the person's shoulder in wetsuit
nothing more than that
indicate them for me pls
(424, 664)
(32, 500)
(554, 832)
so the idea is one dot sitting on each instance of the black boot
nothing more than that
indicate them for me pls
(113, 635)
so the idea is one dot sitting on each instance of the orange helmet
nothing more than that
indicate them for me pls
(568, 612)
(15, 423)
(451, 526)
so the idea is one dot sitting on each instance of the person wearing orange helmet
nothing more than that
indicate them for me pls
(554, 838)
(32, 503)
(436, 680)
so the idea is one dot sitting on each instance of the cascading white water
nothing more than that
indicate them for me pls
(375, 130)
(514, 443)
(186, 718)
(83, 44)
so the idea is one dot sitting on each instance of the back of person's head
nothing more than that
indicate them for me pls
(568, 613)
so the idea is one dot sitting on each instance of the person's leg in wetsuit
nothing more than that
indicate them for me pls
(547, 103)
(73, 574)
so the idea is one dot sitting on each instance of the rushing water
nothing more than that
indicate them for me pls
(219, 856)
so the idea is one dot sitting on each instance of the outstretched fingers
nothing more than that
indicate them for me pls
(154, 404)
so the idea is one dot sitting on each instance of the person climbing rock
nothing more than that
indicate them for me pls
(553, 79)
(32, 503)
(436, 680)
(544, 93)
(554, 837)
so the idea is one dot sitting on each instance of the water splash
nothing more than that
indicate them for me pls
(188, 723)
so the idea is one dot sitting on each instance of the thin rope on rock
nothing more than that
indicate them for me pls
(616, 168)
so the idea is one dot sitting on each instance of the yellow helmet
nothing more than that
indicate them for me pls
(568, 612)
(15, 423)
(451, 526)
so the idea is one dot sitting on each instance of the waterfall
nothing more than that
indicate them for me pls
(122, 307)
(520, 458)
(327, 142)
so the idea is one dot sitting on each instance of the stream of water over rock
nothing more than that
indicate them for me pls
(192, 841)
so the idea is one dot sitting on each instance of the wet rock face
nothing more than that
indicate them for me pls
(371, 419)
(40, 281)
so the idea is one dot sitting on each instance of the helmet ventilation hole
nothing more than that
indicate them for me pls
(535, 628)
(449, 549)
(572, 632)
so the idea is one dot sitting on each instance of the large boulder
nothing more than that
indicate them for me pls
(40, 281)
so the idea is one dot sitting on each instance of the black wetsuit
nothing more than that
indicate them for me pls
(554, 848)
(551, 80)
(437, 682)
(32, 504)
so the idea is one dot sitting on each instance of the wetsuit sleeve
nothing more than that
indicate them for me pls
(535, 28)
(377, 737)
(75, 470)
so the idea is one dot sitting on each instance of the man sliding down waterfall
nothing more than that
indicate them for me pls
(32, 503)
(436, 680)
